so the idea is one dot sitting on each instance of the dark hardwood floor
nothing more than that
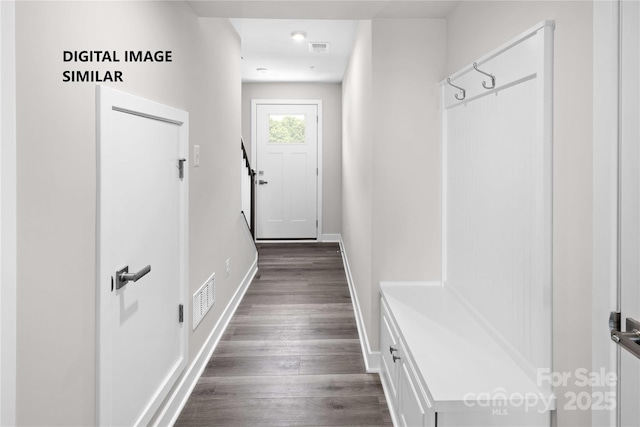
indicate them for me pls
(291, 354)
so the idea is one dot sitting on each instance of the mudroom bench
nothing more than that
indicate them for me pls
(441, 367)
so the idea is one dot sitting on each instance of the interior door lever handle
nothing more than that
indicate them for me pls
(123, 276)
(262, 182)
(629, 340)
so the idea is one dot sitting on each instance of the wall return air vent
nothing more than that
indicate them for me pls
(203, 300)
(318, 47)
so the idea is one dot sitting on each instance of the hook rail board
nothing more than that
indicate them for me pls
(497, 193)
(516, 60)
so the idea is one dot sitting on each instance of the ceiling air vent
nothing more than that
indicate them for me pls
(318, 47)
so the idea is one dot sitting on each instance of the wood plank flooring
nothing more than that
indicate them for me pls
(291, 354)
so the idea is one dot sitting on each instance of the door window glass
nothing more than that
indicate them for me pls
(287, 129)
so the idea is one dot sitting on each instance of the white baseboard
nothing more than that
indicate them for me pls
(323, 238)
(371, 358)
(180, 395)
(331, 238)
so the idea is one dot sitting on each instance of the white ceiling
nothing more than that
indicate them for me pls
(267, 43)
(323, 9)
(265, 29)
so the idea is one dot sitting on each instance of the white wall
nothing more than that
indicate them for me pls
(475, 28)
(408, 62)
(357, 179)
(57, 180)
(391, 155)
(331, 96)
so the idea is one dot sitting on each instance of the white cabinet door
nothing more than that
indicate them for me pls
(389, 349)
(413, 406)
(410, 409)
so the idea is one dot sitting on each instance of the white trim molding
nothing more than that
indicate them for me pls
(178, 398)
(606, 98)
(8, 215)
(371, 358)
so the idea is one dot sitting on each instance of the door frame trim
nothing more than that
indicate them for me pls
(254, 151)
(605, 190)
(108, 99)
(8, 215)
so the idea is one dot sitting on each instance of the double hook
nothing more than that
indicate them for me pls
(464, 92)
(491, 76)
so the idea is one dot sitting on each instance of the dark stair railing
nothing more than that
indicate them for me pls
(251, 223)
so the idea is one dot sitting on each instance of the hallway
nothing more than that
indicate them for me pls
(291, 354)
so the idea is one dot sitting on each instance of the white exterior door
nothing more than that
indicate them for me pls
(142, 225)
(287, 171)
(629, 298)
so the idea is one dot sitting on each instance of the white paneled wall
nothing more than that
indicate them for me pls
(497, 194)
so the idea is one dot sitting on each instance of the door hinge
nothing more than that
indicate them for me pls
(181, 313)
(181, 168)
(316, 223)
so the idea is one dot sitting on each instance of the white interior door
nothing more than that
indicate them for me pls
(142, 212)
(629, 298)
(287, 171)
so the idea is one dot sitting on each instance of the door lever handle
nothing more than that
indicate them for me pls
(629, 340)
(262, 182)
(123, 276)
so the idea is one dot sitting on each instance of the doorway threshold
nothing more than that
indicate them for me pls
(297, 240)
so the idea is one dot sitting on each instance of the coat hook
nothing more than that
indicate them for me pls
(459, 88)
(491, 76)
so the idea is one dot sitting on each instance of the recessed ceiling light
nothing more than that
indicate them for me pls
(298, 35)
(261, 70)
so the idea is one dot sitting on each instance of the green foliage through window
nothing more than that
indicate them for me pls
(286, 129)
